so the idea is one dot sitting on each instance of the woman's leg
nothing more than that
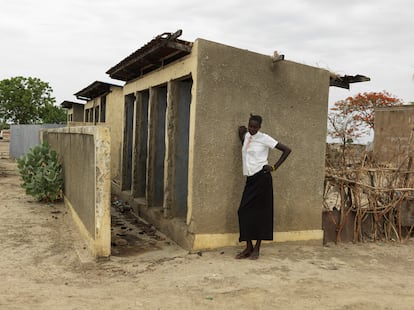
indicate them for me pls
(256, 250)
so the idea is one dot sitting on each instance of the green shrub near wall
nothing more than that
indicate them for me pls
(41, 173)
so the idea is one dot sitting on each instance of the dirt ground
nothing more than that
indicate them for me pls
(44, 265)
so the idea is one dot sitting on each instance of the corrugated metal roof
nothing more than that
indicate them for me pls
(95, 90)
(162, 50)
(68, 104)
(344, 81)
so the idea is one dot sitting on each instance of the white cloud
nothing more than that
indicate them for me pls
(71, 43)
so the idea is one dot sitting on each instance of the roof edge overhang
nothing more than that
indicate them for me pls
(162, 50)
(66, 104)
(94, 90)
(344, 81)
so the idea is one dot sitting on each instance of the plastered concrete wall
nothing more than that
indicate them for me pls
(393, 128)
(90, 107)
(230, 84)
(77, 112)
(114, 120)
(181, 68)
(85, 156)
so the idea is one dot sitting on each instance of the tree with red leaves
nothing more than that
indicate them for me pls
(354, 117)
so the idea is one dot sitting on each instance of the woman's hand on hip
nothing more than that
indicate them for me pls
(268, 168)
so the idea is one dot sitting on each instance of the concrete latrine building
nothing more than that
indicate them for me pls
(75, 111)
(103, 107)
(97, 95)
(181, 169)
(394, 134)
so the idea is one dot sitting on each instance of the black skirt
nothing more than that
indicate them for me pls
(256, 208)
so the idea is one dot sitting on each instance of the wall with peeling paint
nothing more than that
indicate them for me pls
(85, 156)
(113, 120)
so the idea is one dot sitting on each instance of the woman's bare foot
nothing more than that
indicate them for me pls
(254, 255)
(245, 254)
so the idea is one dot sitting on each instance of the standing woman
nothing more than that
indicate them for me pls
(256, 206)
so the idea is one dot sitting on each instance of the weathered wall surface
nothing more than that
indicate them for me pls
(151, 83)
(85, 156)
(77, 111)
(293, 100)
(114, 120)
(393, 128)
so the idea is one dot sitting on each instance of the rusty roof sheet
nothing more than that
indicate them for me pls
(162, 50)
(95, 90)
(68, 104)
(344, 81)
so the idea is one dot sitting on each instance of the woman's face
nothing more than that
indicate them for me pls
(254, 127)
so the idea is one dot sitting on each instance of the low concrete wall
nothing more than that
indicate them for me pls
(85, 156)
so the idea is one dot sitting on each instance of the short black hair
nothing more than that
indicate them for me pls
(256, 118)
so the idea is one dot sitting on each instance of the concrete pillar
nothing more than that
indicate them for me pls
(140, 145)
(169, 176)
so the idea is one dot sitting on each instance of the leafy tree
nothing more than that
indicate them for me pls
(353, 117)
(26, 101)
(344, 127)
(4, 125)
(52, 114)
(361, 107)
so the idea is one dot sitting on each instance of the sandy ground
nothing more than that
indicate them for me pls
(44, 265)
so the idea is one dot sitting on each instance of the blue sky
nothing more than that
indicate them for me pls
(71, 43)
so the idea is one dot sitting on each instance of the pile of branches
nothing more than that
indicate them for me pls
(371, 195)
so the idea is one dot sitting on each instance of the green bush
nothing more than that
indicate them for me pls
(41, 173)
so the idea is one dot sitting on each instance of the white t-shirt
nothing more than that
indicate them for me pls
(255, 151)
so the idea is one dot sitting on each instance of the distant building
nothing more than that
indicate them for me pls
(75, 111)
(394, 134)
